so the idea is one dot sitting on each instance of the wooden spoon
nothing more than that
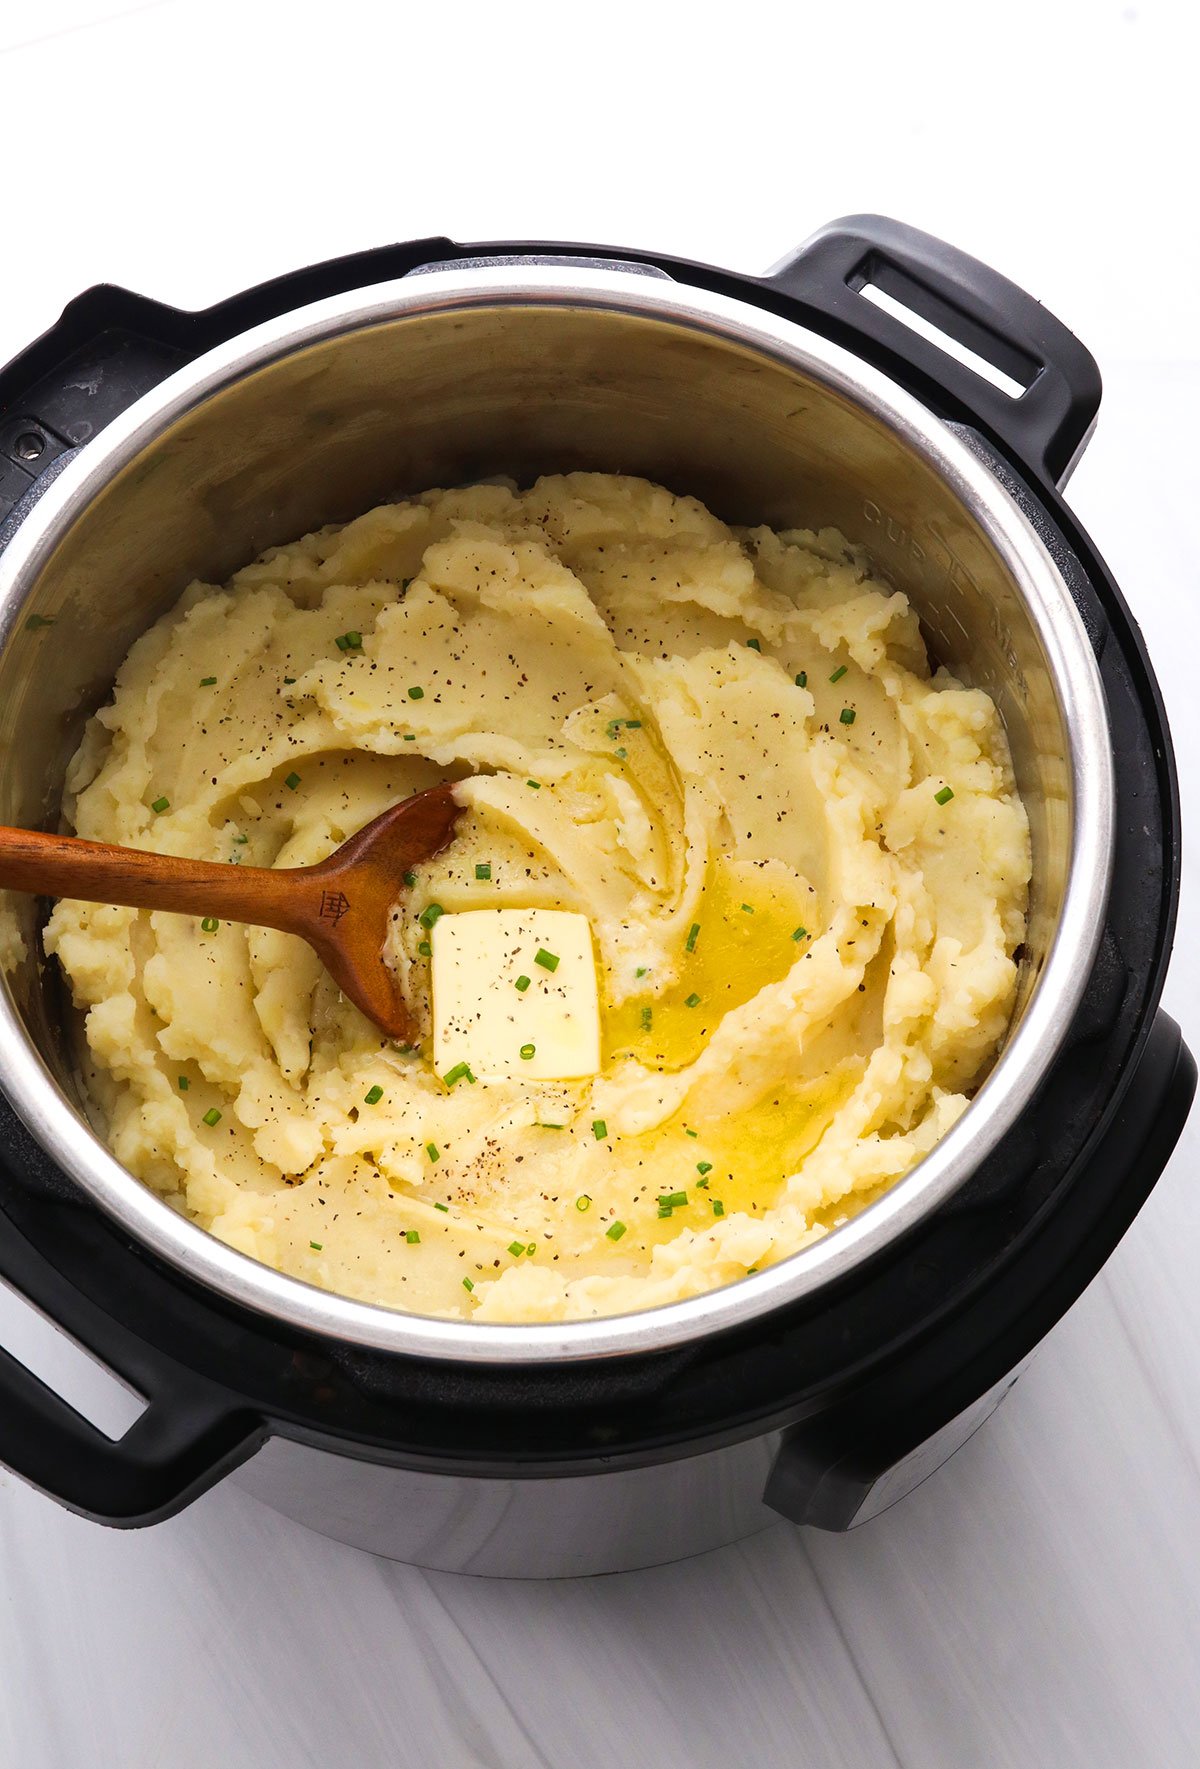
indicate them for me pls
(341, 907)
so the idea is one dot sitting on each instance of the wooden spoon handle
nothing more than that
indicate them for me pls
(64, 866)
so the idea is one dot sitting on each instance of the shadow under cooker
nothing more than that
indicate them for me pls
(875, 1369)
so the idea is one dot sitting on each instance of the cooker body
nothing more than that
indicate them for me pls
(507, 1527)
(821, 1390)
(607, 1520)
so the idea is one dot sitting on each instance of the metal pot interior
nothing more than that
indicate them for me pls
(451, 390)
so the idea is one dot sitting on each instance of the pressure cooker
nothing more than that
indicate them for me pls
(875, 380)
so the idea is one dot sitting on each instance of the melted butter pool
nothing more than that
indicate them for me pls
(749, 1156)
(738, 1165)
(747, 921)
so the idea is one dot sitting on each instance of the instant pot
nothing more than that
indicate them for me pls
(141, 446)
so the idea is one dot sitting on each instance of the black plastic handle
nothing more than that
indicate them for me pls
(110, 346)
(1046, 428)
(190, 1435)
(858, 1459)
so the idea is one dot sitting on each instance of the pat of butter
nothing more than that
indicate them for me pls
(514, 993)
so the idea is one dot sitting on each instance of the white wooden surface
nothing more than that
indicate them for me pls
(1037, 1603)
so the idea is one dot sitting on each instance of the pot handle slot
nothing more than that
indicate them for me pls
(191, 1433)
(858, 271)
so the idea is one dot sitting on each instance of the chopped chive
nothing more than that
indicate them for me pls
(208, 681)
(641, 970)
(484, 869)
(621, 755)
(288, 681)
(673, 1198)
(373, 1095)
(665, 1210)
(467, 1284)
(543, 1126)
(693, 1000)
(460, 1072)
(548, 960)
(633, 724)
(410, 737)
(241, 840)
(800, 933)
(703, 1166)
(718, 1207)
(293, 780)
(416, 694)
(753, 645)
(647, 1018)
(410, 879)
(703, 1182)
(37, 620)
(317, 1246)
(184, 1084)
(615, 1231)
(847, 715)
(521, 984)
(527, 1051)
(433, 913)
(583, 1202)
(443, 1207)
(210, 924)
(349, 641)
(839, 672)
(802, 679)
(748, 908)
(516, 1248)
(531, 1248)
(693, 936)
(599, 1129)
(161, 804)
(944, 796)
(691, 1133)
(412, 1236)
(536, 785)
(425, 949)
(212, 1116)
(432, 1150)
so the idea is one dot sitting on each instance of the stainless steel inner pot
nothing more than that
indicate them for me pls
(461, 373)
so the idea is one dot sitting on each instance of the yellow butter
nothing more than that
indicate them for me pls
(514, 993)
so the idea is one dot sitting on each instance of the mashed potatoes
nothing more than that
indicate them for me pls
(802, 859)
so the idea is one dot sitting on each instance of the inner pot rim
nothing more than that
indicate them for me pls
(70, 1141)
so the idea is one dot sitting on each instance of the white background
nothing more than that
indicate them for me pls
(1035, 1604)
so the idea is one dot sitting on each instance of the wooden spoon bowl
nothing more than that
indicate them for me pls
(341, 907)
